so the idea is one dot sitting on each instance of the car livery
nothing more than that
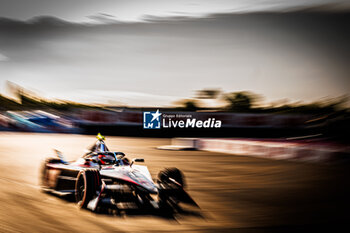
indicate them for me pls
(102, 177)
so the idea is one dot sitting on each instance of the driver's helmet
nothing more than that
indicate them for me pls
(105, 159)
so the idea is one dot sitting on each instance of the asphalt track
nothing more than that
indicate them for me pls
(235, 193)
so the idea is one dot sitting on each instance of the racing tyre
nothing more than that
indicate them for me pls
(87, 185)
(44, 181)
(172, 173)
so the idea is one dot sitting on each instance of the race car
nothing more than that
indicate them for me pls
(105, 178)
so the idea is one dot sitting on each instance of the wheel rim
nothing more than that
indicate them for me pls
(80, 189)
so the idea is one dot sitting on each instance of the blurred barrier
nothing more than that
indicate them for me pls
(36, 121)
(129, 122)
(181, 144)
(229, 120)
(295, 151)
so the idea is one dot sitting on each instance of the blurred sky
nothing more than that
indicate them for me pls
(134, 10)
(151, 53)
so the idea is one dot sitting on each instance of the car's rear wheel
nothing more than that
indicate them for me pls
(44, 179)
(87, 185)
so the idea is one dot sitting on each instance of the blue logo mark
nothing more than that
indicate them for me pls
(151, 120)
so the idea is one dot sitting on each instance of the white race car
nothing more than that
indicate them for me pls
(101, 177)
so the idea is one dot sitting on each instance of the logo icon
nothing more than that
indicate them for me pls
(151, 120)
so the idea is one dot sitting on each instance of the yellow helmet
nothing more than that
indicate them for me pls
(100, 137)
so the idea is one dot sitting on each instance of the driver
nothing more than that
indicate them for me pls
(105, 159)
(101, 159)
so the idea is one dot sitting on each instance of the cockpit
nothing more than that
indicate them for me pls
(99, 153)
(107, 158)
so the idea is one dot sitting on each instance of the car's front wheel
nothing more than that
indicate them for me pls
(169, 175)
(87, 185)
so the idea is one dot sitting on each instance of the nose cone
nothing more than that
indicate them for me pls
(143, 181)
(148, 185)
(152, 190)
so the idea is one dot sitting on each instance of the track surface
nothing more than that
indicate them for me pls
(235, 193)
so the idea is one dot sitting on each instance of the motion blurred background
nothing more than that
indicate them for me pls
(75, 67)
(276, 73)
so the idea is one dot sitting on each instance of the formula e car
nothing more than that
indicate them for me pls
(102, 177)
